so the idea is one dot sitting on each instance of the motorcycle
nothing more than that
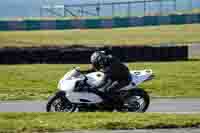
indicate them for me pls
(82, 93)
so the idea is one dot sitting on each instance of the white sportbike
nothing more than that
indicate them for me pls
(77, 93)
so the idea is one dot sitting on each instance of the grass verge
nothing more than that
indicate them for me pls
(40, 122)
(169, 34)
(31, 82)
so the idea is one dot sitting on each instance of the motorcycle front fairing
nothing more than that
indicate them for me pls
(68, 81)
(68, 84)
(95, 79)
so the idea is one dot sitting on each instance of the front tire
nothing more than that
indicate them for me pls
(58, 103)
(137, 101)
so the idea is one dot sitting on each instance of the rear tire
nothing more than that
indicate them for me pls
(58, 103)
(137, 101)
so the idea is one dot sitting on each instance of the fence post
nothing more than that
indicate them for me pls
(65, 14)
(41, 15)
(160, 7)
(144, 7)
(113, 9)
(98, 9)
(82, 11)
(129, 9)
(190, 4)
(174, 5)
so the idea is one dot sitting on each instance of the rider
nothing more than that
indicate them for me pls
(113, 70)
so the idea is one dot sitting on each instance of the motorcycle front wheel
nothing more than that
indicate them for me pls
(137, 101)
(58, 103)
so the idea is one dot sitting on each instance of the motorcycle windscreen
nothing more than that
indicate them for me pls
(71, 74)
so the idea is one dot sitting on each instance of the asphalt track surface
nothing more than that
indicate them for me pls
(157, 105)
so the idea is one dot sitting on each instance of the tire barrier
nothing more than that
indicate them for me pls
(99, 23)
(194, 51)
(60, 55)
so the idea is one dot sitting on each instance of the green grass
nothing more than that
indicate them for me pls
(41, 122)
(40, 81)
(121, 36)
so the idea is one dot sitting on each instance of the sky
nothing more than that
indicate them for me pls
(31, 8)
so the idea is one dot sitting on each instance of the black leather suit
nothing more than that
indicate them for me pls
(117, 72)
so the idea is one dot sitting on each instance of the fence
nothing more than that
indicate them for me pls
(121, 9)
(99, 23)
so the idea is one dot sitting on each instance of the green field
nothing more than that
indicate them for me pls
(41, 122)
(98, 37)
(40, 81)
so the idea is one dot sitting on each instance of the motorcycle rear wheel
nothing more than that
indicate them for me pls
(137, 101)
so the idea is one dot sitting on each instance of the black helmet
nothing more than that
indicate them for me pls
(99, 59)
